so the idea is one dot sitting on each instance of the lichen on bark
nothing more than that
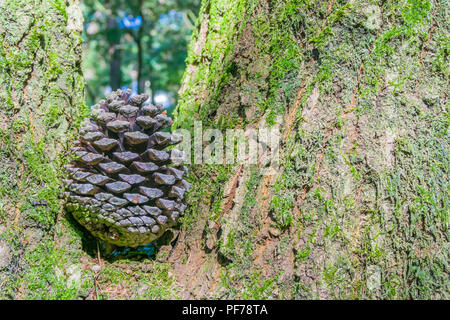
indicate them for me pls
(358, 208)
(42, 100)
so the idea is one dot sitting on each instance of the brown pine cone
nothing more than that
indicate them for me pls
(124, 187)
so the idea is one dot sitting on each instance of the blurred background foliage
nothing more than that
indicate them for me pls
(138, 44)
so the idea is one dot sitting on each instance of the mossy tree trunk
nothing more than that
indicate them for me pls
(359, 206)
(41, 96)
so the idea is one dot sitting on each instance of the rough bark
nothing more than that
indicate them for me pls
(115, 53)
(359, 207)
(41, 94)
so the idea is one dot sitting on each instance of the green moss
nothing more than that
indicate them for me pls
(258, 289)
(282, 206)
(363, 201)
(215, 50)
(60, 5)
(30, 60)
(156, 283)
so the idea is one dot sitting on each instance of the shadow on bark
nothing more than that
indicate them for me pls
(111, 253)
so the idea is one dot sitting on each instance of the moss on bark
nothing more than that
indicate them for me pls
(42, 102)
(359, 206)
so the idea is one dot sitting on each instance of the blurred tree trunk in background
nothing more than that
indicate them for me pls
(149, 37)
(140, 58)
(42, 100)
(115, 53)
(359, 206)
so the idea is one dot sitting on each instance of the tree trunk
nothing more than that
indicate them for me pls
(140, 52)
(359, 205)
(41, 94)
(115, 53)
(140, 76)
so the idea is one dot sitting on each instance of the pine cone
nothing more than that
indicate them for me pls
(123, 186)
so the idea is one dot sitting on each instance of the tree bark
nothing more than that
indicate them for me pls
(359, 206)
(115, 53)
(140, 53)
(42, 101)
